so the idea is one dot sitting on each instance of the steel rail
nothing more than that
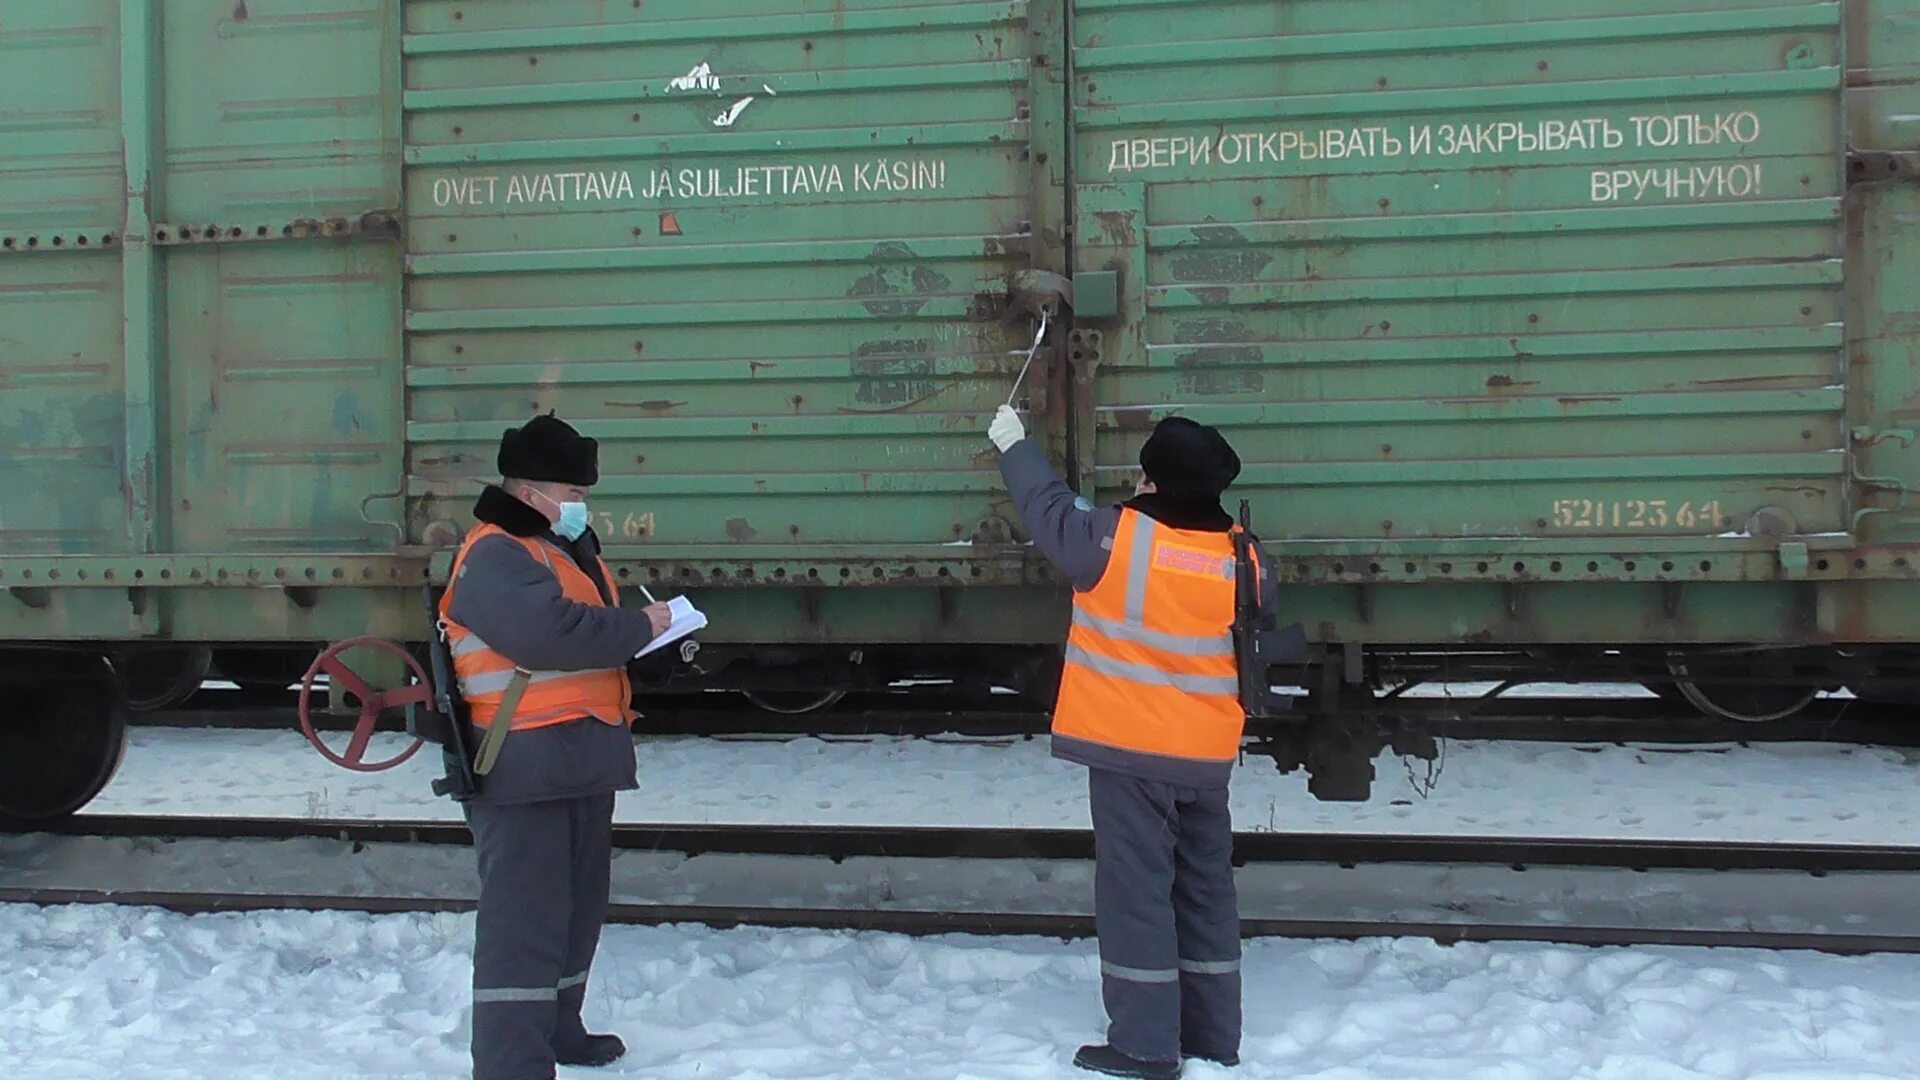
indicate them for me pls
(1446, 888)
(1001, 924)
(950, 842)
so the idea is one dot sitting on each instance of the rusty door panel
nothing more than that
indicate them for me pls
(1883, 319)
(761, 254)
(62, 426)
(1457, 271)
(198, 335)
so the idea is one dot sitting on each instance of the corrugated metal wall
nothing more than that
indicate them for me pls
(1476, 269)
(62, 425)
(1490, 293)
(281, 373)
(757, 249)
(180, 371)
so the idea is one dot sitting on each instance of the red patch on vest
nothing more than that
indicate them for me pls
(1192, 562)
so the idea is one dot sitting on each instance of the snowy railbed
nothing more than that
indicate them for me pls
(114, 993)
(1797, 792)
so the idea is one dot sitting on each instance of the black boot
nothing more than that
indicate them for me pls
(595, 1051)
(1226, 1060)
(1111, 1062)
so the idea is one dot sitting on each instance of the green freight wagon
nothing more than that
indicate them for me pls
(1559, 337)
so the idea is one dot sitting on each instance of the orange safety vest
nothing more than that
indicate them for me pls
(1150, 666)
(551, 697)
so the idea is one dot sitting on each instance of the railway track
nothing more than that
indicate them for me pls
(1561, 720)
(1832, 898)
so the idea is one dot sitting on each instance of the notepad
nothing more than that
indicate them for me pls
(686, 620)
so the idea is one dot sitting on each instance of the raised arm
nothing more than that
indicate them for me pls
(1074, 536)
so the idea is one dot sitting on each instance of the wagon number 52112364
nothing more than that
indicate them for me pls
(1636, 514)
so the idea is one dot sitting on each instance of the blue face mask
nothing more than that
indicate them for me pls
(573, 517)
(573, 520)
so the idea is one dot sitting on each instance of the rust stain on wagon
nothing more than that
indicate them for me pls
(1001, 247)
(895, 373)
(904, 406)
(1116, 226)
(1222, 383)
(1220, 266)
(1215, 331)
(1228, 355)
(1194, 377)
(894, 290)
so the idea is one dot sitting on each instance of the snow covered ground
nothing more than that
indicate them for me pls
(117, 993)
(1802, 792)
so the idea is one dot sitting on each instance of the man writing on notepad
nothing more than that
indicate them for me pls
(540, 646)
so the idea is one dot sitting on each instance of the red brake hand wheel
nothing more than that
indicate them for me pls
(372, 703)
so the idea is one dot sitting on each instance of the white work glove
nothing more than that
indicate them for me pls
(1006, 429)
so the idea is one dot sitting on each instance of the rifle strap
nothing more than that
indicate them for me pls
(502, 723)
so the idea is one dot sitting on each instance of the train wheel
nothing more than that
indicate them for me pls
(1749, 703)
(161, 678)
(61, 740)
(794, 702)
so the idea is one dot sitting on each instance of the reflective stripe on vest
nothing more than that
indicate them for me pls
(1150, 665)
(1148, 675)
(469, 645)
(496, 682)
(1220, 645)
(550, 697)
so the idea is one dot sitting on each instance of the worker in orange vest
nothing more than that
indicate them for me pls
(540, 646)
(1149, 702)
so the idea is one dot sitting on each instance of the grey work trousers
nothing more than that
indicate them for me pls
(544, 880)
(1167, 916)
